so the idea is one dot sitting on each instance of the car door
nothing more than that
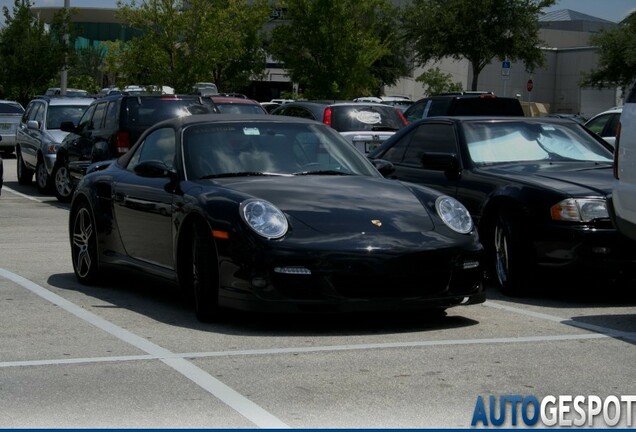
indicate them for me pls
(428, 155)
(80, 150)
(143, 204)
(29, 139)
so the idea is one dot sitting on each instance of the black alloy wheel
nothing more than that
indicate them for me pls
(204, 276)
(62, 183)
(84, 245)
(511, 258)
(25, 175)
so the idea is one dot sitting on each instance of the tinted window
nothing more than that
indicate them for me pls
(438, 107)
(98, 116)
(9, 108)
(416, 111)
(86, 118)
(478, 106)
(154, 110)
(160, 145)
(365, 118)
(112, 115)
(430, 138)
(232, 108)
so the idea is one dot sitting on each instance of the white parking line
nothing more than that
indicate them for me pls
(8, 189)
(227, 395)
(631, 336)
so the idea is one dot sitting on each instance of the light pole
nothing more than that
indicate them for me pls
(64, 73)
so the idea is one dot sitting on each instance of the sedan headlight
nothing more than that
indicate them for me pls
(454, 214)
(264, 218)
(579, 210)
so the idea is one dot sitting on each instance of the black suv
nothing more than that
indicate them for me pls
(464, 104)
(109, 128)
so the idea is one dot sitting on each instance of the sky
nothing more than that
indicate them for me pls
(611, 10)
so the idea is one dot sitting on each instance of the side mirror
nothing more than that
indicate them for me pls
(385, 167)
(154, 169)
(33, 124)
(67, 126)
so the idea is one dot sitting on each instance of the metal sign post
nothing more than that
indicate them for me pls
(505, 75)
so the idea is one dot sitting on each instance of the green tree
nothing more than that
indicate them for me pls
(475, 30)
(435, 82)
(30, 56)
(617, 56)
(183, 42)
(336, 49)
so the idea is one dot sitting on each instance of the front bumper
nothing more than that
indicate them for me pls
(336, 280)
(603, 250)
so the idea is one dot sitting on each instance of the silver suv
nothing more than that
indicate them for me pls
(38, 136)
(623, 199)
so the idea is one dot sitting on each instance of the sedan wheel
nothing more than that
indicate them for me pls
(511, 256)
(42, 178)
(25, 175)
(84, 245)
(62, 184)
(205, 279)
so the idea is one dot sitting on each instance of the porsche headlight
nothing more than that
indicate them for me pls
(454, 214)
(579, 210)
(264, 218)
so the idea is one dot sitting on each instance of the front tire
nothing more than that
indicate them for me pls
(62, 185)
(42, 178)
(84, 245)
(204, 276)
(511, 257)
(25, 175)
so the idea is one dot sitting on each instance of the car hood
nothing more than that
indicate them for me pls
(57, 135)
(339, 204)
(572, 178)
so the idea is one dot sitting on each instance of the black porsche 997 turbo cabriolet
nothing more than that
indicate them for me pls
(275, 214)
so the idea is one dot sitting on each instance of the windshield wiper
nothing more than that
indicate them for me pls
(323, 172)
(242, 174)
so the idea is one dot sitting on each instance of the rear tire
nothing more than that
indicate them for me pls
(25, 175)
(62, 185)
(84, 245)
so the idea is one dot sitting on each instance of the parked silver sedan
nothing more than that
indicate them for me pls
(10, 114)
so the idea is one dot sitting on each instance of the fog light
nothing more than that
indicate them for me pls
(293, 270)
(467, 265)
(259, 282)
(601, 250)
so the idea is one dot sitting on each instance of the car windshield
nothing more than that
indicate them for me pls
(500, 142)
(269, 148)
(57, 114)
(353, 118)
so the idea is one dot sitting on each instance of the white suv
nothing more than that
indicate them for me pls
(623, 197)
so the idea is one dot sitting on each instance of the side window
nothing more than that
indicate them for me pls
(27, 112)
(416, 111)
(438, 107)
(396, 153)
(112, 118)
(38, 115)
(299, 112)
(430, 138)
(598, 124)
(612, 126)
(160, 145)
(86, 118)
(98, 117)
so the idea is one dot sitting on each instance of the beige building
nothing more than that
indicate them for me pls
(569, 54)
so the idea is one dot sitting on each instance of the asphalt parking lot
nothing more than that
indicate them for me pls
(130, 353)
